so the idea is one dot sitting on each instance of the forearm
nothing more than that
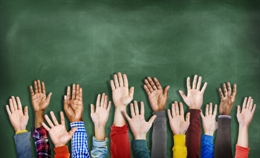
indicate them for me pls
(179, 149)
(243, 136)
(193, 134)
(207, 146)
(23, 145)
(140, 149)
(100, 133)
(119, 119)
(39, 118)
(159, 136)
(223, 139)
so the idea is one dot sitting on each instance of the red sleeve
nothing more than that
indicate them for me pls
(61, 152)
(193, 134)
(241, 152)
(120, 145)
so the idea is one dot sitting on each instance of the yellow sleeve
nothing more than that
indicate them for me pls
(20, 132)
(179, 149)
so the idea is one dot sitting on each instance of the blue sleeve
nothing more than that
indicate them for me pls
(79, 141)
(140, 149)
(23, 145)
(99, 148)
(207, 146)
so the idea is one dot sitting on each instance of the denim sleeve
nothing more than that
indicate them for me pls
(207, 146)
(79, 142)
(23, 145)
(99, 148)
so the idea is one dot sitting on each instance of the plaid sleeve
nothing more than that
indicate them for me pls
(79, 142)
(42, 144)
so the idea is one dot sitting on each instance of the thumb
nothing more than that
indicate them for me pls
(188, 117)
(49, 97)
(166, 89)
(182, 94)
(26, 111)
(152, 119)
(72, 131)
(131, 92)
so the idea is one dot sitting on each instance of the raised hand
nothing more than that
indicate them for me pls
(176, 118)
(157, 96)
(138, 125)
(122, 96)
(245, 116)
(227, 99)
(100, 116)
(38, 96)
(209, 120)
(73, 103)
(58, 132)
(17, 118)
(194, 99)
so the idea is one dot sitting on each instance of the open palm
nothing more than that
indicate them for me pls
(227, 99)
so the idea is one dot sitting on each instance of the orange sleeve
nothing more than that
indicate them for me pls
(61, 152)
(241, 152)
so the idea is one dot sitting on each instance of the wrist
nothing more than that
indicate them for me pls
(76, 120)
(211, 133)
(39, 113)
(59, 145)
(121, 108)
(140, 137)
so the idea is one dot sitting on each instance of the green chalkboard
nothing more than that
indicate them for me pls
(63, 42)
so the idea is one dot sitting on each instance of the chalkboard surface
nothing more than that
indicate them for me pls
(86, 42)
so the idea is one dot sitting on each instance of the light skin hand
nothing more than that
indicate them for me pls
(176, 118)
(138, 125)
(227, 99)
(157, 96)
(100, 116)
(17, 118)
(73, 103)
(39, 101)
(244, 118)
(209, 120)
(58, 132)
(122, 96)
(194, 98)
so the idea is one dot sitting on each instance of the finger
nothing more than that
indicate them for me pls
(220, 93)
(250, 104)
(157, 83)
(132, 110)
(125, 80)
(62, 120)
(147, 90)
(11, 105)
(45, 126)
(48, 120)
(244, 103)
(142, 108)
(31, 91)
(151, 120)
(148, 85)
(73, 92)
(238, 110)
(8, 110)
(116, 81)
(182, 95)
(77, 92)
(26, 111)
(72, 131)
(136, 108)
(207, 110)
(43, 88)
(19, 107)
(169, 114)
(131, 92)
(126, 116)
(49, 97)
(204, 87)
(35, 87)
(176, 108)
(188, 117)
(229, 88)
(254, 107)
(199, 83)
(215, 110)
(225, 89)
(201, 114)
(112, 85)
(109, 106)
(105, 101)
(81, 94)
(188, 83)
(98, 101)
(39, 86)
(92, 109)
(165, 91)
(173, 110)
(68, 97)
(234, 90)
(194, 82)
(14, 103)
(54, 120)
(121, 84)
(152, 83)
(181, 109)
(102, 100)
(210, 108)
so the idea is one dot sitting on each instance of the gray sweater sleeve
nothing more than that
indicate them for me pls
(159, 136)
(223, 146)
(23, 145)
